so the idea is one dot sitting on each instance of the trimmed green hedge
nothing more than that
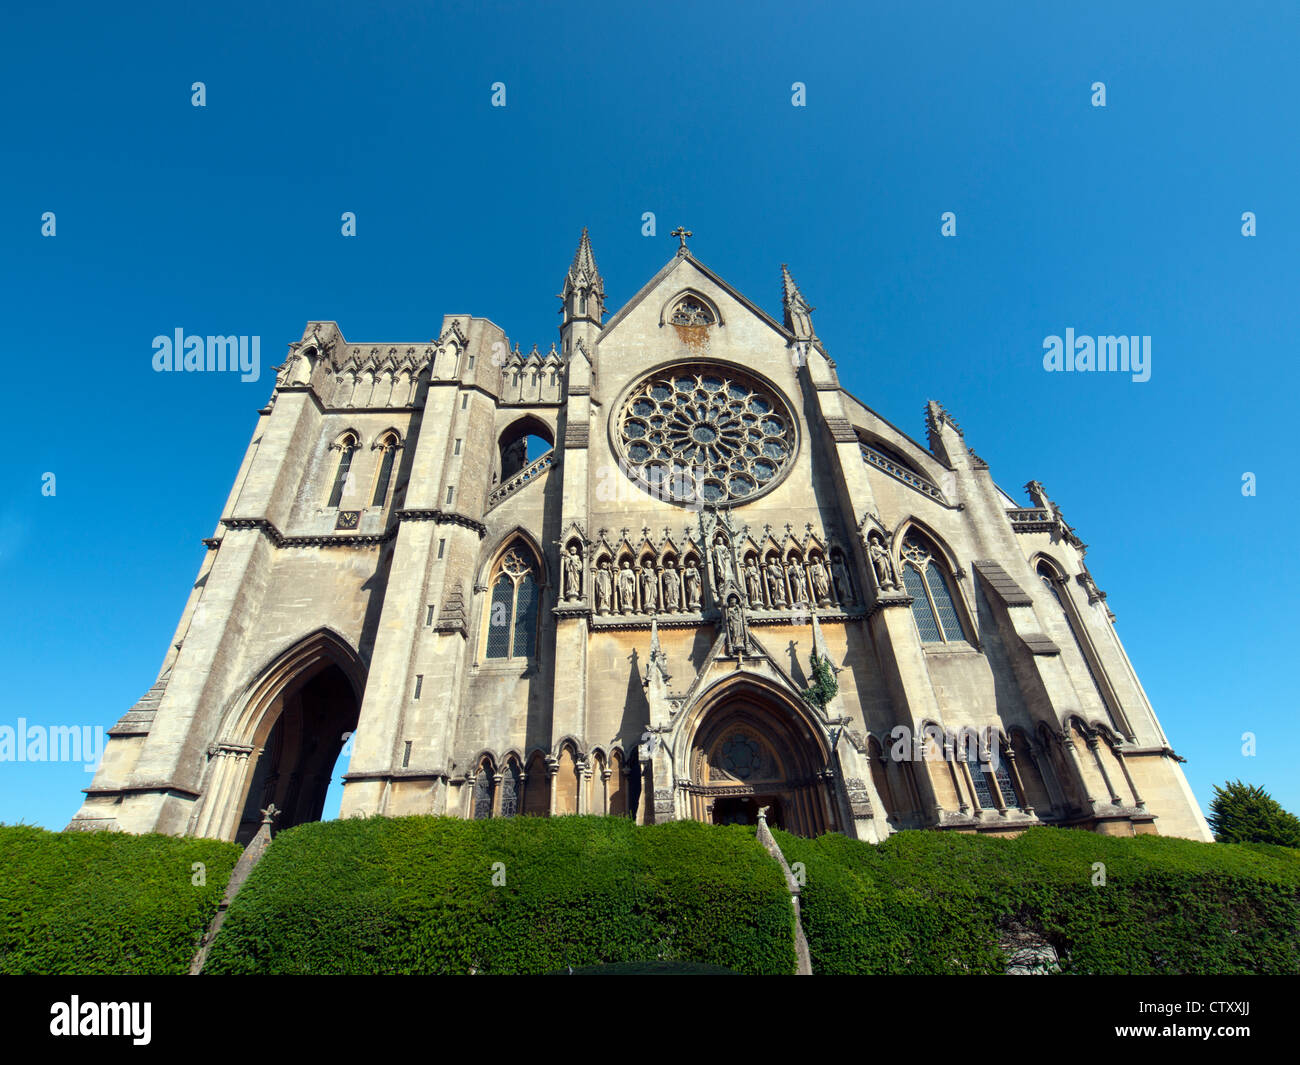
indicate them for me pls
(938, 902)
(416, 895)
(105, 903)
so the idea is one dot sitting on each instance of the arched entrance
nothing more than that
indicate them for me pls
(752, 750)
(281, 744)
(299, 753)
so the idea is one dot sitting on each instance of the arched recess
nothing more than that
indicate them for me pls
(281, 738)
(537, 787)
(513, 445)
(747, 745)
(690, 308)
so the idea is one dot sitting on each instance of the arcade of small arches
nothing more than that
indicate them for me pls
(1055, 775)
(546, 785)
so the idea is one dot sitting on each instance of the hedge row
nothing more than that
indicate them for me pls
(931, 902)
(517, 895)
(102, 903)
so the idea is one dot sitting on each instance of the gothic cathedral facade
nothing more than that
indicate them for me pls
(723, 583)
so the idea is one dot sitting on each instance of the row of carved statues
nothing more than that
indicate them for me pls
(771, 584)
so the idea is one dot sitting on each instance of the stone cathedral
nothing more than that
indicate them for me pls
(716, 582)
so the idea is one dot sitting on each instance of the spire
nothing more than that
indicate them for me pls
(584, 289)
(798, 315)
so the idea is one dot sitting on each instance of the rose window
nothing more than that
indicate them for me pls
(705, 434)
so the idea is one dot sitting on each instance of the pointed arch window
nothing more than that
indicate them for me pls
(348, 447)
(388, 444)
(933, 606)
(511, 787)
(512, 609)
(483, 789)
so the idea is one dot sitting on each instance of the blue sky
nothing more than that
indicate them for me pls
(225, 219)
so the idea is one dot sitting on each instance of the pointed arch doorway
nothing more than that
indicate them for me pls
(753, 750)
(282, 741)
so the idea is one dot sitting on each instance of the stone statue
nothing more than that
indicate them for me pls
(721, 563)
(776, 583)
(672, 587)
(735, 625)
(692, 587)
(821, 580)
(798, 582)
(572, 574)
(626, 588)
(754, 584)
(649, 588)
(882, 564)
(840, 577)
(604, 588)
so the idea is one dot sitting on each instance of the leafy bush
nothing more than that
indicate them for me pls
(417, 895)
(99, 903)
(937, 902)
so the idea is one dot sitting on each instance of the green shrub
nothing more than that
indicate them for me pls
(101, 903)
(936, 902)
(416, 895)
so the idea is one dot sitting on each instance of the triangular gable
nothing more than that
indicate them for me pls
(663, 274)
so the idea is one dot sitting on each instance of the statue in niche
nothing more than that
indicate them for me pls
(672, 587)
(649, 588)
(798, 582)
(754, 584)
(882, 564)
(840, 579)
(821, 581)
(572, 574)
(604, 588)
(776, 583)
(736, 640)
(626, 588)
(722, 563)
(692, 576)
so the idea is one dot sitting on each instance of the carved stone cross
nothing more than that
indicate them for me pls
(681, 234)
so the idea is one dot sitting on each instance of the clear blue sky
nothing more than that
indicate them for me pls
(225, 219)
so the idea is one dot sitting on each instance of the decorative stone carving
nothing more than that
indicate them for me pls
(737, 631)
(722, 571)
(882, 565)
(821, 581)
(604, 588)
(692, 576)
(573, 574)
(798, 582)
(672, 587)
(776, 583)
(840, 579)
(626, 588)
(649, 588)
(754, 585)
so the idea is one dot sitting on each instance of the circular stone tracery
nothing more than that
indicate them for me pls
(705, 434)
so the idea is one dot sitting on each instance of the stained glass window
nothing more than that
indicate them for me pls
(932, 604)
(385, 473)
(921, 610)
(983, 793)
(483, 794)
(513, 608)
(510, 791)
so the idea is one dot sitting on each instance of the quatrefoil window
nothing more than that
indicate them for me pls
(705, 433)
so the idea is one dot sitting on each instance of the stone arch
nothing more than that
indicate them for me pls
(618, 791)
(1032, 781)
(708, 305)
(747, 744)
(512, 443)
(568, 779)
(280, 738)
(537, 786)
